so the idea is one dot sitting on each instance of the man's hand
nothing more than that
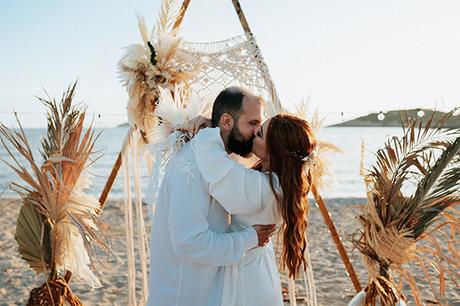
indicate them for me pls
(194, 125)
(264, 232)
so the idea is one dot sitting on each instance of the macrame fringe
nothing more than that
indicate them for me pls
(132, 154)
(141, 234)
(309, 283)
(129, 231)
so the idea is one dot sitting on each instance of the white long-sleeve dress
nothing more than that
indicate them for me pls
(247, 196)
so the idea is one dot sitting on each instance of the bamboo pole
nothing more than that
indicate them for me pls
(259, 61)
(116, 167)
(336, 238)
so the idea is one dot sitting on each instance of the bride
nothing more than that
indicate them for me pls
(274, 191)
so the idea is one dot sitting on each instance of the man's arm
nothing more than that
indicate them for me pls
(189, 228)
(238, 189)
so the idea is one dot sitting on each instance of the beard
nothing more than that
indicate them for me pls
(238, 145)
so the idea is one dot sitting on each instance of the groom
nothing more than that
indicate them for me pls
(189, 242)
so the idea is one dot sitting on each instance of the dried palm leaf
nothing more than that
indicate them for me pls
(61, 119)
(32, 236)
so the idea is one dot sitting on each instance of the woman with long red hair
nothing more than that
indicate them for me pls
(274, 191)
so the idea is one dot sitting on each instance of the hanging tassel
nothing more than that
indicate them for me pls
(129, 223)
(309, 281)
(141, 235)
(291, 287)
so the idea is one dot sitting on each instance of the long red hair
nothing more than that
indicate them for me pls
(289, 140)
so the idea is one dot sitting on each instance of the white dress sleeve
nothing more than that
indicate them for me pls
(238, 189)
(191, 237)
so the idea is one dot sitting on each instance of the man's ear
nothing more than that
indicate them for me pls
(226, 122)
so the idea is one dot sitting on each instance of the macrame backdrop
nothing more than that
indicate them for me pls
(235, 61)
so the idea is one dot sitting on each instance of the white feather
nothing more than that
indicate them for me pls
(175, 111)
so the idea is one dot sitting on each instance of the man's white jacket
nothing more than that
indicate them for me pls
(190, 244)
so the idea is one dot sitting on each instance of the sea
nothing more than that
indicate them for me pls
(345, 181)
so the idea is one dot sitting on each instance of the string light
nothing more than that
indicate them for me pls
(100, 116)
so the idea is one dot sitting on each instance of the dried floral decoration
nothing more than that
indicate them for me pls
(413, 189)
(58, 225)
(158, 62)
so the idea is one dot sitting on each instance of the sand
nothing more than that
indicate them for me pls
(333, 284)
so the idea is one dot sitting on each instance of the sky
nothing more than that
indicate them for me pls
(350, 57)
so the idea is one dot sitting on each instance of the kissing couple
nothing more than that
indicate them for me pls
(210, 239)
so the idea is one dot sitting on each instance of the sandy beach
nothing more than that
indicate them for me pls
(333, 285)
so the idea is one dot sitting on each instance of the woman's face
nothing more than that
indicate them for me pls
(259, 148)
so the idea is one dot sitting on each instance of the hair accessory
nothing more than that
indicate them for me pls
(310, 158)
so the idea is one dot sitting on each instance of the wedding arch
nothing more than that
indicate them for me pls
(166, 60)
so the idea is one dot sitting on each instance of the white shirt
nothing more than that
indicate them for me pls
(189, 243)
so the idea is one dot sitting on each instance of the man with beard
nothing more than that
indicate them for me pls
(190, 240)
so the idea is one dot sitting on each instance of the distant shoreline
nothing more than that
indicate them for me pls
(393, 118)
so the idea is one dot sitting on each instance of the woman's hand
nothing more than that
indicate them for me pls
(194, 125)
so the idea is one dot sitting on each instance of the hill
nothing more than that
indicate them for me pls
(393, 118)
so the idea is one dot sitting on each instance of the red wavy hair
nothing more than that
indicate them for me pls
(289, 140)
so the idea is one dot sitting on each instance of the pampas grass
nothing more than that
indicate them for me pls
(320, 166)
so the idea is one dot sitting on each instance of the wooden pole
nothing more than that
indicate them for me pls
(336, 238)
(242, 17)
(181, 15)
(116, 167)
(260, 61)
(110, 181)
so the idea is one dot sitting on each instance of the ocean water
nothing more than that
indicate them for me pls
(345, 166)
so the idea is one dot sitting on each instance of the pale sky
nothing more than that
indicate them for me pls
(352, 56)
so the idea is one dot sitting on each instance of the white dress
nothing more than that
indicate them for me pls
(247, 196)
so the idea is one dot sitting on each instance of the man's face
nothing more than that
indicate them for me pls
(242, 133)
